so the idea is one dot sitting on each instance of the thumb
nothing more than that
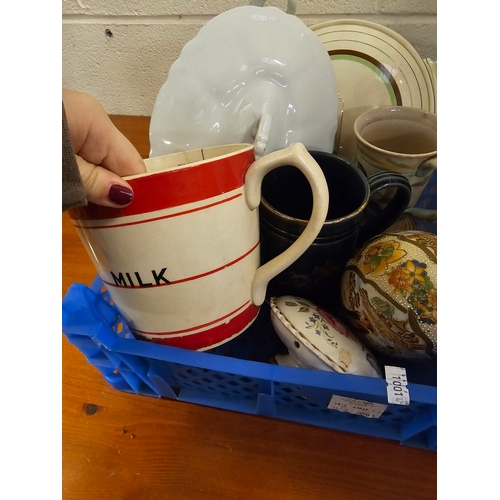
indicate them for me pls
(102, 186)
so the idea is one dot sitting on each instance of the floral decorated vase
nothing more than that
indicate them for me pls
(317, 340)
(389, 289)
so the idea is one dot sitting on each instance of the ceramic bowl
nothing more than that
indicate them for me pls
(317, 340)
(389, 288)
(252, 74)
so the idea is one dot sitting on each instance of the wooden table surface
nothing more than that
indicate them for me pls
(123, 446)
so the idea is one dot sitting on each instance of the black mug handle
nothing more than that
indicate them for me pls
(379, 220)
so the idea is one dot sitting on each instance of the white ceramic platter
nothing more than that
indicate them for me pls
(251, 74)
(374, 66)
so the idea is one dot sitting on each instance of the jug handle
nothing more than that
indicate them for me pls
(390, 213)
(290, 9)
(296, 156)
(427, 166)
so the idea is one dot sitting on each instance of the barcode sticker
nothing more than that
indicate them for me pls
(397, 390)
(356, 406)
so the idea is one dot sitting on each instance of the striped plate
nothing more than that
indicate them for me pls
(373, 66)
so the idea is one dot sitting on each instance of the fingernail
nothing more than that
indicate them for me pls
(121, 195)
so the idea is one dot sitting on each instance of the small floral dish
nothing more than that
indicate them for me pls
(317, 340)
(389, 289)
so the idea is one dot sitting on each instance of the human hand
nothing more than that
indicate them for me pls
(102, 152)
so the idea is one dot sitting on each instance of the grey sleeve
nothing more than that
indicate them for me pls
(73, 193)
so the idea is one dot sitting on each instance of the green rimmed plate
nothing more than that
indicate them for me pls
(374, 66)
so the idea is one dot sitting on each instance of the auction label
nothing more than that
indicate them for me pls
(397, 390)
(356, 406)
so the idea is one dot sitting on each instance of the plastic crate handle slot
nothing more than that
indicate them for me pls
(265, 399)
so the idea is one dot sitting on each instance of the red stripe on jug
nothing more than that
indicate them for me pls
(189, 278)
(193, 328)
(212, 336)
(154, 219)
(173, 188)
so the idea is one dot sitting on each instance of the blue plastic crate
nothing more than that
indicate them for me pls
(241, 376)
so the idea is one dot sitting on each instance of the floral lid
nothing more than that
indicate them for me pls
(318, 340)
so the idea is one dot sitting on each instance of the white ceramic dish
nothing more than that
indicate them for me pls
(317, 340)
(374, 65)
(431, 66)
(252, 74)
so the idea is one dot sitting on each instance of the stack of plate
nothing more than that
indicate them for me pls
(432, 69)
(374, 66)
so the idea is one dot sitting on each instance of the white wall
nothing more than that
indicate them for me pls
(120, 50)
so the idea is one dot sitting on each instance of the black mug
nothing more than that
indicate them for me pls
(353, 218)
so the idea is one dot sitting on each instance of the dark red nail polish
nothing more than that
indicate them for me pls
(121, 195)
